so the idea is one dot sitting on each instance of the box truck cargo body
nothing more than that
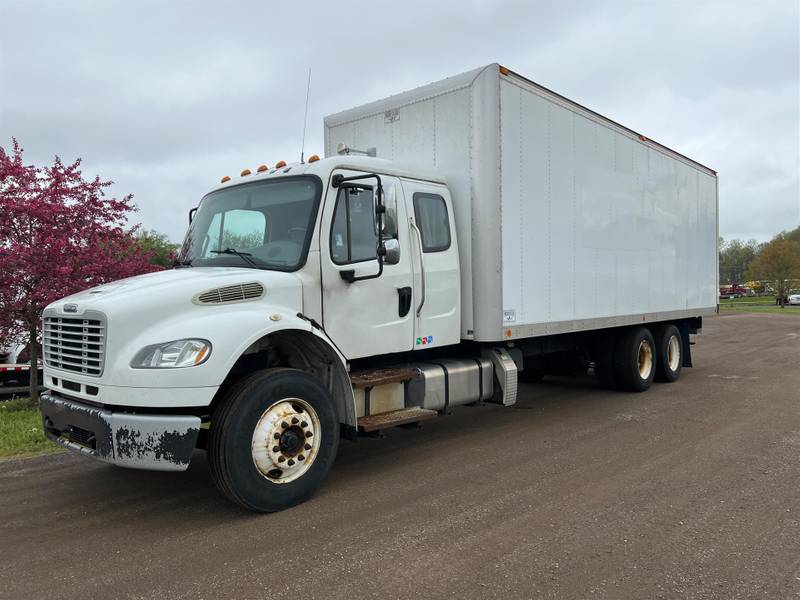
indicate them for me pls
(456, 240)
(566, 221)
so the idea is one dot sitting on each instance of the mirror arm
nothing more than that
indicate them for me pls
(348, 275)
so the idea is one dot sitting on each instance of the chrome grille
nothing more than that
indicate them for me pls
(75, 344)
(232, 293)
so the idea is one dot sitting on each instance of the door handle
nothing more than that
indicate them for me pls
(404, 300)
(418, 235)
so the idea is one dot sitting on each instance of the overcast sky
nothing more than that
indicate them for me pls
(166, 97)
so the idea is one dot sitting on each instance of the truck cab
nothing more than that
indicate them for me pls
(296, 270)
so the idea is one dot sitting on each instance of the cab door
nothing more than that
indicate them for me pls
(373, 316)
(437, 279)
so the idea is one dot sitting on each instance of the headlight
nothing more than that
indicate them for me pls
(180, 353)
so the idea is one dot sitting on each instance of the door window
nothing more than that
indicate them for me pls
(353, 236)
(430, 212)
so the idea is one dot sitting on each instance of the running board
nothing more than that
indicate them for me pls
(394, 418)
(373, 377)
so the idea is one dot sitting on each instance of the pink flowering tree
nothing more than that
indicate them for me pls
(59, 234)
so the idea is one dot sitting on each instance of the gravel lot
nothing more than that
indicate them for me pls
(689, 490)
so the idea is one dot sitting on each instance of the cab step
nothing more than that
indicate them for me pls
(395, 418)
(373, 377)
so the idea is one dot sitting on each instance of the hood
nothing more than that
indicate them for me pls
(173, 287)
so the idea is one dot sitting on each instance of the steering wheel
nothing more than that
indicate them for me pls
(281, 251)
(297, 234)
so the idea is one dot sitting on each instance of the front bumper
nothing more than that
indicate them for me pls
(137, 441)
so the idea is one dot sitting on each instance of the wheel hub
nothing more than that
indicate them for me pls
(645, 359)
(673, 353)
(286, 440)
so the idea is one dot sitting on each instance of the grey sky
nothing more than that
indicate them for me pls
(166, 97)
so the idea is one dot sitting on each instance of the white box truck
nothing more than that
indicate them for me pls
(456, 239)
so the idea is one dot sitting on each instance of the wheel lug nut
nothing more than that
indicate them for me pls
(290, 463)
(309, 434)
(304, 424)
(284, 424)
(277, 436)
(300, 457)
(281, 458)
(275, 448)
(307, 446)
(295, 420)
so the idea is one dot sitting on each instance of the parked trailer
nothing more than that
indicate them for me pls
(455, 239)
(14, 374)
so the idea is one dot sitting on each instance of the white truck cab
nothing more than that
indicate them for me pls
(316, 299)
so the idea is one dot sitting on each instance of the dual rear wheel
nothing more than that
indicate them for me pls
(632, 359)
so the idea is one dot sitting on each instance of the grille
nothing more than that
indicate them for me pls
(75, 344)
(232, 293)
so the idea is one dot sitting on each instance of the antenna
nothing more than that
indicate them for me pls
(305, 118)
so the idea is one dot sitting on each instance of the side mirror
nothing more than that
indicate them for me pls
(191, 214)
(392, 251)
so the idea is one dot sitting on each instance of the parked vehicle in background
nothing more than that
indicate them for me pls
(15, 366)
(794, 298)
(346, 295)
(735, 291)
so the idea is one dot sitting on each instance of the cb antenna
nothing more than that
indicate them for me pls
(305, 118)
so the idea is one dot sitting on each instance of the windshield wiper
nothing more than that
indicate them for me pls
(181, 263)
(245, 256)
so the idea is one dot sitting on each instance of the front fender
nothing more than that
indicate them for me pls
(316, 349)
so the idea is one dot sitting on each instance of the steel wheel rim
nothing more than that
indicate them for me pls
(673, 353)
(286, 440)
(645, 359)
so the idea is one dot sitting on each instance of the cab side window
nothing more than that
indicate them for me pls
(430, 212)
(353, 237)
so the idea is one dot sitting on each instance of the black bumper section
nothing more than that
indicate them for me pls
(138, 441)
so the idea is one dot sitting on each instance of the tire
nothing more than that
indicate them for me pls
(634, 360)
(243, 452)
(669, 353)
(603, 354)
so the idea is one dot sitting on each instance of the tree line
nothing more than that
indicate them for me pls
(776, 261)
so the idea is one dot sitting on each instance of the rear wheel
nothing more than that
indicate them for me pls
(273, 439)
(635, 360)
(669, 355)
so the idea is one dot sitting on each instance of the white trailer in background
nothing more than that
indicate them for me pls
(456, 238)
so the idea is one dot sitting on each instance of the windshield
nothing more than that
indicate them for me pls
(267, 224)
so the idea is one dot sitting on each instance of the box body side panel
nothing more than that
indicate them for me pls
(597, 224)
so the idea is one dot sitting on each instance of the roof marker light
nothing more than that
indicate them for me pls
(280, 164)
(245, 173)
(224, 179)
(504, 70)
(262, 168)
(313, 158)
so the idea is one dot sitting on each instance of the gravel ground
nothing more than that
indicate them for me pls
(687, 491)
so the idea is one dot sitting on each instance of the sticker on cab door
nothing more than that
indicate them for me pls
(425, 340)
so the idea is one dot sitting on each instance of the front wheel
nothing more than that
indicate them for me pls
(273, 439)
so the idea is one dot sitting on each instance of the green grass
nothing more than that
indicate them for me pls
(21, 430)
(763, 304)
